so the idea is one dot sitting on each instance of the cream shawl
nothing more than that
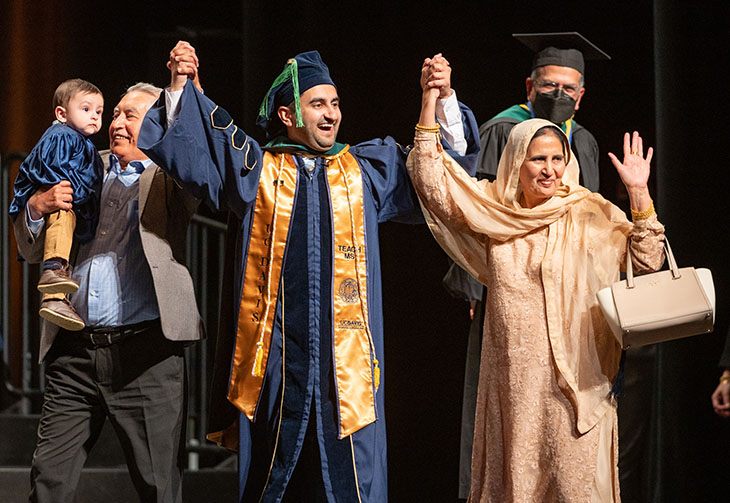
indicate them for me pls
(586, 245)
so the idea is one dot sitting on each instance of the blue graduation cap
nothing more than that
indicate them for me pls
(302, 72)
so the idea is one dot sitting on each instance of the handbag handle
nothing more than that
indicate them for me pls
(670, 258)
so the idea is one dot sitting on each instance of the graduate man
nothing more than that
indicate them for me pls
(304, 356)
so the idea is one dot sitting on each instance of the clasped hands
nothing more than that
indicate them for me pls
(183, 64)
(436, 76)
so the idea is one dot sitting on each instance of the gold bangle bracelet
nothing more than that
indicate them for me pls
(643, 215)
(428, 129)
(724, 379)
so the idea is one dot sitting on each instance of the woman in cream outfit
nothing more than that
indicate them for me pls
(545, 427)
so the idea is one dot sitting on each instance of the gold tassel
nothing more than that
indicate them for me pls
(376, 374)
(257, 370)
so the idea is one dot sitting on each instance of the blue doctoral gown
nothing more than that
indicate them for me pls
(214, 164)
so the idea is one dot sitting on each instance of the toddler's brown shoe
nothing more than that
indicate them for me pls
(57, 281)
(60, 312)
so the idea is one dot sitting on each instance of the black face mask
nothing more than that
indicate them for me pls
(555, 106)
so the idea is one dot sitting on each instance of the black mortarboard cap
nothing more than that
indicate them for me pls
(562, 49)
(302, 72)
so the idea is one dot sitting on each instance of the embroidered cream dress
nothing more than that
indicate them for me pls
(545, 428)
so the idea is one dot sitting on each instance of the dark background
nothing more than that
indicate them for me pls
(666, 79)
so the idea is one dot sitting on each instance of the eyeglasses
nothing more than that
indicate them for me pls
(549, 86)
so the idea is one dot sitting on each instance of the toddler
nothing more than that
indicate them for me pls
(65, 152)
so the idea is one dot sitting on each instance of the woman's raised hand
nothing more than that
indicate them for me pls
(635, 168)
(634, 171)
(435, 83)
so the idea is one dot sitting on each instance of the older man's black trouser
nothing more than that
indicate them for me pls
(139, 383)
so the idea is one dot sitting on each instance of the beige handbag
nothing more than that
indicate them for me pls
(659, 306)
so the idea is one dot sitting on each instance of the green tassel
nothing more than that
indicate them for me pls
(290, 72)
(297, 101)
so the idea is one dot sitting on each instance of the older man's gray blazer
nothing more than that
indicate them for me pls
(165, 210)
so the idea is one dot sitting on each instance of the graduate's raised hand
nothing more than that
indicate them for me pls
(436, 73)
(183, 64)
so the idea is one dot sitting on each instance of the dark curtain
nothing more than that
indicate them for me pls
(33, 52)
(692, 445)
